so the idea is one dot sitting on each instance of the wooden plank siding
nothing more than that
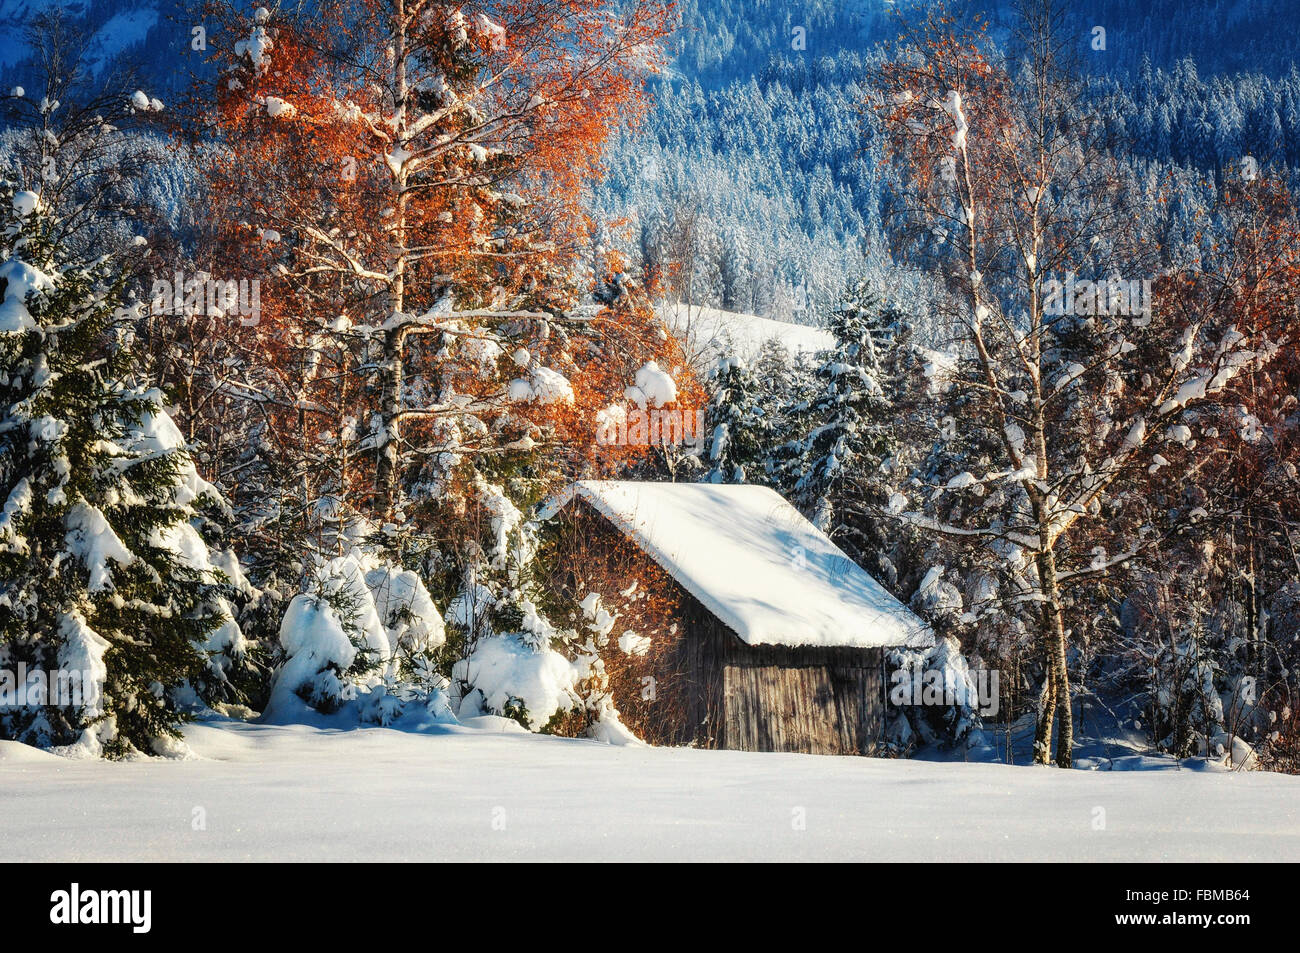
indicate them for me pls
(812, 700)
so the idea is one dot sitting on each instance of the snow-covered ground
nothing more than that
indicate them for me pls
(486, 792)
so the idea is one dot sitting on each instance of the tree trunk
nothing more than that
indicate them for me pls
(1046, 713)
(1054, 641)
(386, 470)
(387, 466)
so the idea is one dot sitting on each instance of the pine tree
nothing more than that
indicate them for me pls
(103, 575)
(737, 424)
(830, 469)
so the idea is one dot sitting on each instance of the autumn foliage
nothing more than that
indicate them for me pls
(408, 178)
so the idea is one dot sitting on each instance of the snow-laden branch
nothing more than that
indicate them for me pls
(1026, 541)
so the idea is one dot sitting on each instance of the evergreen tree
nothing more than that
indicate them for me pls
(737, 424)
(830, 469)
(103, 575)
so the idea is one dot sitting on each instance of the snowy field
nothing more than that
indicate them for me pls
(486, 793)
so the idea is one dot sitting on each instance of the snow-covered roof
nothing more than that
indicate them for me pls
(753, 561)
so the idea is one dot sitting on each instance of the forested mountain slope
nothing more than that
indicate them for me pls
(760, 132)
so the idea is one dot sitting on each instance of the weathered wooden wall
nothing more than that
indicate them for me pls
(811, 700)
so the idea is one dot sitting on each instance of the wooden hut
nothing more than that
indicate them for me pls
(774, 640)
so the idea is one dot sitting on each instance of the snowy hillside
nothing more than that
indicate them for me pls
(494, 793)
(710, 333)
(148, 37)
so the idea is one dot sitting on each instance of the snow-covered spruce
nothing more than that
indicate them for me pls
(836, 461)
(941, 703)
(738, 427)
(103, 574)
(360, 641)
(509, 664)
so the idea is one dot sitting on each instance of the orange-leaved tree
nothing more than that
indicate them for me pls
(409, 176)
